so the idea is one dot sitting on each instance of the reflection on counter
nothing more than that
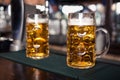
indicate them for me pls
(13, 71)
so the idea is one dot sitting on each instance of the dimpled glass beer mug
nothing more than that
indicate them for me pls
(81, 40)
(37, 36)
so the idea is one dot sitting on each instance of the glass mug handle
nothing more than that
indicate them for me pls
(102, 42)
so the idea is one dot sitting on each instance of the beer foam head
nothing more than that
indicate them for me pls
(37, 18)
(40, 20)
(81, 22)
(81, 19)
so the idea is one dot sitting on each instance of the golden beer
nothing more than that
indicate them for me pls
(81, 46)
(37, 46)
(84, 42)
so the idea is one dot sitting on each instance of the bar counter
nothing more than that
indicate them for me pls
(104, 69)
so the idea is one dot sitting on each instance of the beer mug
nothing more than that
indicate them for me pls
(82, 34)
(37, 36)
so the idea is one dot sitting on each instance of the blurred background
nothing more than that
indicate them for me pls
(107, 16)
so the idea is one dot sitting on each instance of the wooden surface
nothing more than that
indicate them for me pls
(13, 71)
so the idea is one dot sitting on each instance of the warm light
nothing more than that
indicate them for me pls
(92, 7)
(9, 10)
(118, 8)
(70, 9)
(47, 3)
(100, 8)
(113, 8)
(40, 7)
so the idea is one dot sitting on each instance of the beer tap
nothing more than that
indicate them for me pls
(17, 23)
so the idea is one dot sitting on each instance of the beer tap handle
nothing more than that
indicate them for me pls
(17, 17)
